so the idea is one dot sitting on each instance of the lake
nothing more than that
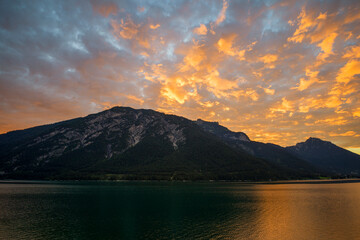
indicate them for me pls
(178, 210)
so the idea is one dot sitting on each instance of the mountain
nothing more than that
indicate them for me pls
(125, 143)
(327, 156)
(267, 151)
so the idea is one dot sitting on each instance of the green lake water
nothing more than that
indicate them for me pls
(176, 210)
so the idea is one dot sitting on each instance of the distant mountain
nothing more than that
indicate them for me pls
(327, 156)
(270, 152)
(125, 143)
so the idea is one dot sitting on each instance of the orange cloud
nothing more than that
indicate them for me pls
(353, 52)
(248, 93)
(352, 16)
(268, 90)
(332, 121)
(322, 16)
(221, 17)
(208, 104)
(304, 84)
(305, 22)
(217, 84)
(222, 14)
(269, 60)
(356, 112)
(350, 69)
(318, 29)
(326, 46)
(333, 102)
(310, 103)
(138, 35)
(284, 107)
(202, 30)
(225, 45)
(126, 29)
(345, 134)
(136, 99)
(154, 26)
(175, 93)
(312, 78)
(193, 58)
(145, 54)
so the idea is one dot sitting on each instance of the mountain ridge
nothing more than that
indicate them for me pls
(128, 143)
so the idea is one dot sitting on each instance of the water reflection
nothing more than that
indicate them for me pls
(311, 211)
(179, 211)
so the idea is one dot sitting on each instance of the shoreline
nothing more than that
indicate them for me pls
(302, 181)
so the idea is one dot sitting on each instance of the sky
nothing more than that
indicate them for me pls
(280, 71)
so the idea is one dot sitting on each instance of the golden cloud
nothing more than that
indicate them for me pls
(225, 45)
(353, 52)
(312, 78)
(283, 107)
(326, 46)
(345, 134)
(269, 60)
(305, 22)
(193, 58)
(350, 69)
(154, 26)
(202, 30)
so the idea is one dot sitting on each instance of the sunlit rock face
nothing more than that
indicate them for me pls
(112, 132)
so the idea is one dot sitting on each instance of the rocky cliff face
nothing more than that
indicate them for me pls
(118, 129)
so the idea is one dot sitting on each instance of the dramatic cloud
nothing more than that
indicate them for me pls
(280, 71)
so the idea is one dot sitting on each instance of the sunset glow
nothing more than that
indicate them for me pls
(280, 71)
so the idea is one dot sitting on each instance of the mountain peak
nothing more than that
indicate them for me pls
(326, 155)
(114, 108)
(315, 141)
